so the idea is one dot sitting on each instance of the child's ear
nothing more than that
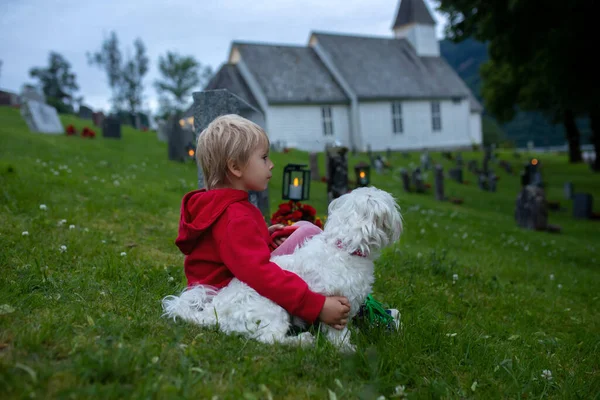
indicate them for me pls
(234, 169)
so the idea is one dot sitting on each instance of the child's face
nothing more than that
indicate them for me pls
(257, 173)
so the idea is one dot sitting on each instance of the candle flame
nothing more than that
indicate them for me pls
(534, 161)
(296, 182)
(362, 174)
(191, 153)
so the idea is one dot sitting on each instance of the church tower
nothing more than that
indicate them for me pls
(415, 23)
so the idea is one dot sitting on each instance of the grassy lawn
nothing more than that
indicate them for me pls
(486, 307)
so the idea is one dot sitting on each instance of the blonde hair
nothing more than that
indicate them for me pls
(227, 138)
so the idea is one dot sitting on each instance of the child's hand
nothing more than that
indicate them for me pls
(335, 312)
(275, 228)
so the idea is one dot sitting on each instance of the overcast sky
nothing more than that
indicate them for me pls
(30, 29)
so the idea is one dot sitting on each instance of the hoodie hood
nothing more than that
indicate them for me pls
(199, 210)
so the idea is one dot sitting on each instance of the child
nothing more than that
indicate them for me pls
(223, 235)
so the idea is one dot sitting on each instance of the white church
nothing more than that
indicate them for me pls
(392, 92)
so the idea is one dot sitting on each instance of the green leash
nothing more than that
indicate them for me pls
(375, 311)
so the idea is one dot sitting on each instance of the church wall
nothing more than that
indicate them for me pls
(301, 126)
(475, 130)
(377, 125)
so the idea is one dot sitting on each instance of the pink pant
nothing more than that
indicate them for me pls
(305, 231)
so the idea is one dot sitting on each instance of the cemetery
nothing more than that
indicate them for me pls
(469, 249)
(454, 180)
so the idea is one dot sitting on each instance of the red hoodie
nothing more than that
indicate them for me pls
(223, 235)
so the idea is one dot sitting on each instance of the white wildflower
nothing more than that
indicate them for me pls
(171, 279)
(71, 226)
(422, 231)
(62, 222)
(123, 254)
(559, 286)
(454, 277)
(551, 277)
(43, 207)
(86, 230)
(104, 241)
(547, 374)
(451, 334)
(419, 255)
(154, 360)
(56, 173)
(25, 233)
(465, 235)
(63, 248)
(116, 183)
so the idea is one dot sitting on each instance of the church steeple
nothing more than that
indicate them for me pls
(415, 23)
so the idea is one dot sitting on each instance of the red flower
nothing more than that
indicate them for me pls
(310, 210)
(70, 131)
(290, 212)
(319, 223)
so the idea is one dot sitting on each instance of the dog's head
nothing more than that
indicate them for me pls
(366, 220)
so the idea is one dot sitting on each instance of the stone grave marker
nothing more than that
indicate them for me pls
(482, 181)
(439, 183)
(459, 160)
(85, 112)
(456, 174)
(531, 211)
(337, 172)
(210, 104)
(177, 139)
(425, 161)
(314, 166)
(111, 127)
(472, 166)
(161, 131)
(582, 205)
(492, 181)
(41, 117)
(405, 180)
(569, 191)
(417, 180)
(388, 153)
(98, 118)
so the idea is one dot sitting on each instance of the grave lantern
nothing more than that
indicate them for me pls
(363, 174)
(296, 182)
(191, 151)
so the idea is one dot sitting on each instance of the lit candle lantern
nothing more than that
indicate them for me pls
(295, 190)
(296, 182)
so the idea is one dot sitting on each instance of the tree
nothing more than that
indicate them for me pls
(125, 77)
(533, 56)
(180, 75)
(58, 83)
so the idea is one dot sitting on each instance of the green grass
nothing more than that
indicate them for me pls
(87, 322)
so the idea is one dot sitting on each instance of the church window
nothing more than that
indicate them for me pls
(436, 116)
(397, 121)
(327, 121)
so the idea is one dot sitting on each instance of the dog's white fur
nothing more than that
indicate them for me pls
(365, 220)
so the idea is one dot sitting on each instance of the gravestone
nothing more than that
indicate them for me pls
(210, 104)
(439, 183)
(472, 166)
(85, 112)
(314, 166)
(41, 117)
(582, 205)
(29, 93)
(506, 166)
(405, 180)
(569, 191)
(531, 210)
(417, 180)
(456, 174)
(378, 164)
(388, 153)
(425, 161)
(177, 139)
(161, 131)
(98, 118)
(111, 127)
(482, 181)
(337, 172)
(459, 160)
(492, 181)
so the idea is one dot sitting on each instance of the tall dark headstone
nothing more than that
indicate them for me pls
(111, 127)
(177, 139)
(417, 180)
(405, 180)
(210, 104)
(569, 191)
(314, 166)
(531, 209)
(337, 172)
(582, 205)
(439, 183)
(456, 174)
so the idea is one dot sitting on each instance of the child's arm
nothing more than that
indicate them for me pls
(247, 255)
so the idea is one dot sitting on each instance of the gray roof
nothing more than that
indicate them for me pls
(388, 68)
(474, 104)
(229, 77)
(413, 12)
(290, 74)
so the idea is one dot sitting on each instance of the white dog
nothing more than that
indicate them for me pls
(337, 262)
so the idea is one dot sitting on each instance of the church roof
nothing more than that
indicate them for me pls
(229, 77)
(290, 74)
(413, 12)
(387, 68)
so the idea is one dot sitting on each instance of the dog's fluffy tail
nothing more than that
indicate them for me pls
(190, 304)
